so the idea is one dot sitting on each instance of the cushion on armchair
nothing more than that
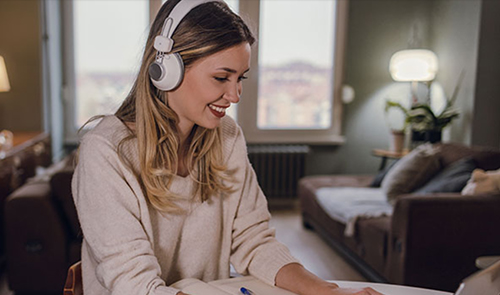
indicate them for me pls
(411, 171)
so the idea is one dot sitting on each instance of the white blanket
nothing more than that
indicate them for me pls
(347, 204)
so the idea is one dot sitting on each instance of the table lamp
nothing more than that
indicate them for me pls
(6, 137)
(4, 79)
(413, 65)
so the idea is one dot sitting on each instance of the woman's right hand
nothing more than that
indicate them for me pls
(342, 291)
(355, 291)
(329, 288)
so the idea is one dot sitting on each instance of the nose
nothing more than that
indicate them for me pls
(233, 92)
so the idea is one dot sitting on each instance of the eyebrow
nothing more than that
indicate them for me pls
(232, 71)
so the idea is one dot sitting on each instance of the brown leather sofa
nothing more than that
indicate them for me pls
(42, 232)
(431, 240)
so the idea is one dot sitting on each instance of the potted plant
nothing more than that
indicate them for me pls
(427, 125)
(397, 130)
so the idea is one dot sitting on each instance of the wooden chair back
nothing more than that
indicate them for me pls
(73, 285)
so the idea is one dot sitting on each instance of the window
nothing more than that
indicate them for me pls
(292, 94)
(295, 66)
(292, 91)
(105, 43)
(106, 53)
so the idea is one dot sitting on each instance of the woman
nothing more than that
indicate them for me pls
(164, 189)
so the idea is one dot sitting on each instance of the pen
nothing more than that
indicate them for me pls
(245, 291)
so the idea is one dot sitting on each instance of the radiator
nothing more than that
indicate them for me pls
(278, 168)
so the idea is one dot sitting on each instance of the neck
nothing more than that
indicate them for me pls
(184, 132)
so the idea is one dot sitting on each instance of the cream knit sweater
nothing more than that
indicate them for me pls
(131, 248)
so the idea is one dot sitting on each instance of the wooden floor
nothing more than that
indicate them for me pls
(310, 249)
(304, 244)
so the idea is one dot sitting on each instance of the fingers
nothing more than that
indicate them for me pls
(363, 291)
(373, 291)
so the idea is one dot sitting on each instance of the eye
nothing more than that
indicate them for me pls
(220, 79)
(242, 78)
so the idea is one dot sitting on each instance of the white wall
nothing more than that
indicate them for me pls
(21, 109)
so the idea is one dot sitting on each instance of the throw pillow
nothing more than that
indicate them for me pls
(377, 181)
(451, 179)
(483, 182)
(411, 171)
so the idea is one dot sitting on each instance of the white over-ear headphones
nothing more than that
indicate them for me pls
(167, 71)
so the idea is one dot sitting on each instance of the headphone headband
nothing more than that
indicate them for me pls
(164, 42)
(167, 71)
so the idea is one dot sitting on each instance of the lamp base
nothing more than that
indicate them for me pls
(6, 141)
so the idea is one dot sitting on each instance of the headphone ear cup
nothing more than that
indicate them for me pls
(168, 74)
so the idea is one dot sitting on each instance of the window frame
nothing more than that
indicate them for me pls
(247, 107)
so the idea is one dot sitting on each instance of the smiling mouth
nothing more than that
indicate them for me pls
(218, 111)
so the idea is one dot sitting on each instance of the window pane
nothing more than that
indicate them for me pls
(109, 38)
(296, 64)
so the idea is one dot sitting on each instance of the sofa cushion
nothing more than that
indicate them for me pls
(411, 171)
(483, 182)
(451, 179)
(377, 181)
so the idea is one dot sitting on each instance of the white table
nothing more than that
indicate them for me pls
(388, 289)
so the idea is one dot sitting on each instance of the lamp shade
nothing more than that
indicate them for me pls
(414, 65)
(4, 80)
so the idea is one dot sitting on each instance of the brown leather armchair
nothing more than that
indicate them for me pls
(17, 165)
(42, 233)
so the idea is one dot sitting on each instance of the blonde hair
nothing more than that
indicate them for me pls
(207, 29)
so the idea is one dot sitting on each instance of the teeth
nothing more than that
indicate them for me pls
(217, 109)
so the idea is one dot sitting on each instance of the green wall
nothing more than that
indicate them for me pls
(377, 29)
(455, 39)
(21, 109)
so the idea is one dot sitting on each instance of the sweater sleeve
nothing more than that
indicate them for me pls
(255, 249)
(110, 218)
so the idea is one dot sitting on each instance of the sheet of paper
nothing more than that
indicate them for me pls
(232, 286)
(197, 287)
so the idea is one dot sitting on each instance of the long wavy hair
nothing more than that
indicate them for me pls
(207, 29)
